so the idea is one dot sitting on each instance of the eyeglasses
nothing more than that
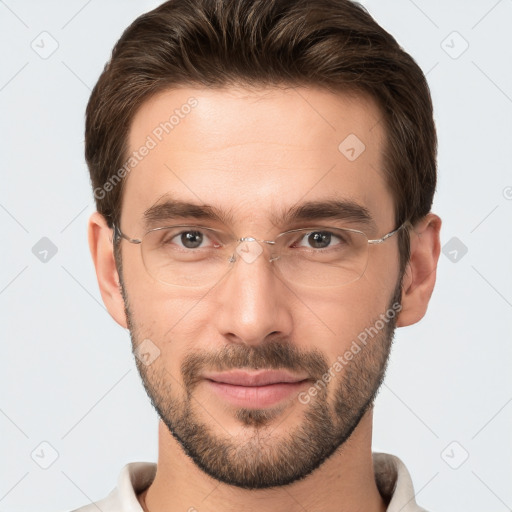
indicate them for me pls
(196, 256)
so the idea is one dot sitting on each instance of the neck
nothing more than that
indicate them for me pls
(345, 482)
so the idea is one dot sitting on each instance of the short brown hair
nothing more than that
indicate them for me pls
(334, 44)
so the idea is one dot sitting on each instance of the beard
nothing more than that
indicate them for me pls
(264, 458)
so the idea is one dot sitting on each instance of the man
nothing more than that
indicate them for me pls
(263, 173)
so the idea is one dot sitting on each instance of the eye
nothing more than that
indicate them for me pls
(190, 239)
(185, 239)
(320, 240)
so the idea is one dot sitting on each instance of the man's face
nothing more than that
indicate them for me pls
(253, 155)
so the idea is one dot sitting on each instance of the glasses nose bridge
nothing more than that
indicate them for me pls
(252, 239)
(241, 240)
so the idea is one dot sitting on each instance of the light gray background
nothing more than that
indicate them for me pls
(68, 378)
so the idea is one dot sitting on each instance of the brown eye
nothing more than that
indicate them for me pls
(191, 239)
(319, 239)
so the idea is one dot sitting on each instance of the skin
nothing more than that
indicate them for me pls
(282, 151)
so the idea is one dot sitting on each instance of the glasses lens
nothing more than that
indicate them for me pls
(322, 257)
(192, 256)
(186, 255)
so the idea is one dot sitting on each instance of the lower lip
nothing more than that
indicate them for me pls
(256, 397)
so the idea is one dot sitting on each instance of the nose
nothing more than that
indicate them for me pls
(254, 302)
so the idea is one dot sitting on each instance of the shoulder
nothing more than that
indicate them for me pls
(394, 483)
(132, 480)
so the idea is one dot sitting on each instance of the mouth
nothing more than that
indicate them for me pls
(255, 389)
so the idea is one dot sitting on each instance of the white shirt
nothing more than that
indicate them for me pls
(391, 475)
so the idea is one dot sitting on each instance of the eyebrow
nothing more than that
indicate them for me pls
(337, 209)
(173, 209)
(341, 210)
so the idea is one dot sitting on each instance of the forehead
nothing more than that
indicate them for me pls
(255, 152)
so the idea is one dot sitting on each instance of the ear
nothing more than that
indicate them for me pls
(420, 274)
(102, 252)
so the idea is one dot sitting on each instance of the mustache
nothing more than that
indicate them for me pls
(275, 355)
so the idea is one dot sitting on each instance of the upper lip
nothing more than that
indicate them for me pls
(254, 378)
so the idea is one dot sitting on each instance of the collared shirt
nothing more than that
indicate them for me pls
(391, 476)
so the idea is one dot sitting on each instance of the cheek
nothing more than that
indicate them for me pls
(335, 319)
(156, 307)
(172, 319)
